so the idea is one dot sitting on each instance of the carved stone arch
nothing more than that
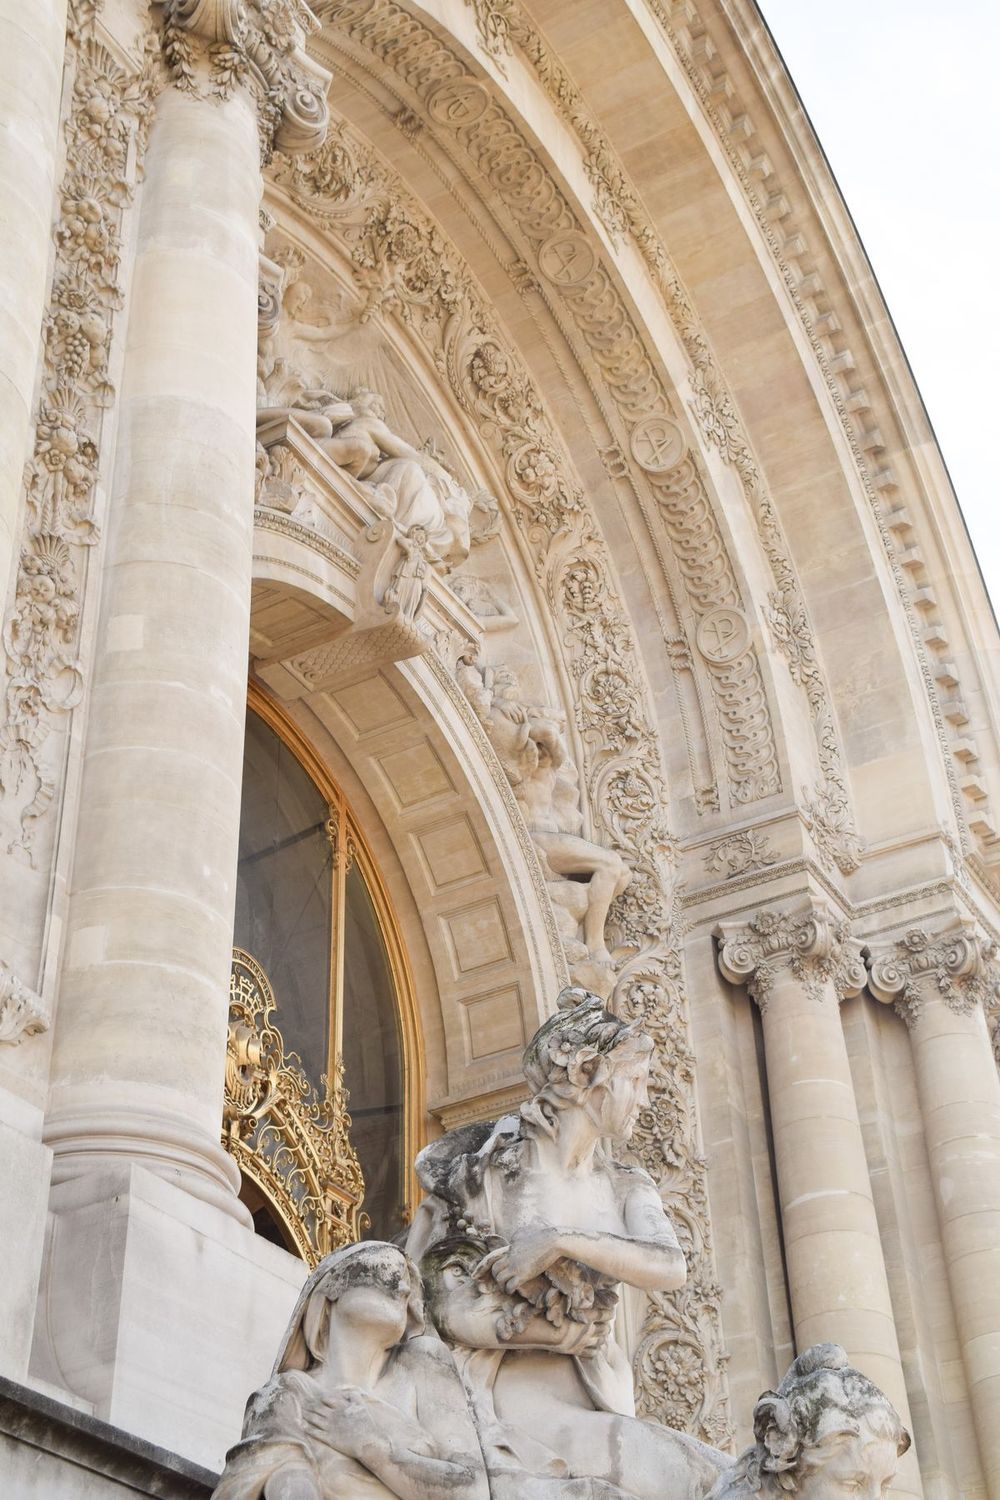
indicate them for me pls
(673, 541)
(473, 912)
(409, 268)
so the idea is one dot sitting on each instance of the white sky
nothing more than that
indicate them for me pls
(903, 97)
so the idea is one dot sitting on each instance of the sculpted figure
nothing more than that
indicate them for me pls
(527, 1231)
(413, 488)
(825, 1433)
(362, 1403)
(407, 587)
(584, 878)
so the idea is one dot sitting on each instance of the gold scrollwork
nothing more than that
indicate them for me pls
(292, 1142)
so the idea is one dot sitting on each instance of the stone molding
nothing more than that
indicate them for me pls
(405, 268)
(213, 47)
(955, 963)
(811, 943)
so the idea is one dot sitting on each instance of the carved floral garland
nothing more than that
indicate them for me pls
(109, 112)
(406, 268)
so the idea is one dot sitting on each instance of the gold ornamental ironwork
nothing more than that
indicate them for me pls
(286, 1137)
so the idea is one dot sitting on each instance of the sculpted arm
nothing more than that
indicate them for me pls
(646, 1256)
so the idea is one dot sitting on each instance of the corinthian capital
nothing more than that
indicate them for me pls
(22, 1012)
(212, 47)
(955, 964)
(810, 943)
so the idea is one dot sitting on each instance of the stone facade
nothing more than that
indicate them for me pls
(570, 498)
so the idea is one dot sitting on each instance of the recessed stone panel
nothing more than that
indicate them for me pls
(416, 775)
(477, 936)
(451, 853)
(494, 1023)
(371, 705)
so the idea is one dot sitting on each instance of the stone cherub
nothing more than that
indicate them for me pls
(827, 1432)
(530, 742)
(562, 1224)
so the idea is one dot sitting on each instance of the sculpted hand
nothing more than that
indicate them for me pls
(344, 1420)
(530, 1252)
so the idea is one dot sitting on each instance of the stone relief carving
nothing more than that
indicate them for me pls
(22, 1012)
(813, 944)
(958, 964)
(487, 603)
(481, 1361)
(568, 264)
(406, 269)
(217, 46)
(739, 853)
(583, 877)
(825, 1432)
(495, 145)
(109, 110)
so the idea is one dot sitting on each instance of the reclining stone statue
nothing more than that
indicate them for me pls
(512, 1386)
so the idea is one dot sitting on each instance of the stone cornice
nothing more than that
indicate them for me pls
(811, 943)
(212, 47)
(956, 964)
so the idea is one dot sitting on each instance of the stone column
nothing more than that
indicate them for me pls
(32, 41)
(940, 983)
(140, 1034)
(798, 966)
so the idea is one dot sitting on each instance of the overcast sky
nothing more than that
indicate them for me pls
(905, 103)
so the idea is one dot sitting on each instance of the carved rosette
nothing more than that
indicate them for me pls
(957, 965)
(213, 47)
(812, 945)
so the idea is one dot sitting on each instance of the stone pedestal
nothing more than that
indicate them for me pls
(798, 966)
(939, 983)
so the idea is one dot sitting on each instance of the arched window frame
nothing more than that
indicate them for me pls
(351, 849)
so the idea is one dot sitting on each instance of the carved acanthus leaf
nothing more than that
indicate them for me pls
(22, 1012)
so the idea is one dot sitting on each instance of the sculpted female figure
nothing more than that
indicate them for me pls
(824, 1434)
(361, 1405)
(565, 1224)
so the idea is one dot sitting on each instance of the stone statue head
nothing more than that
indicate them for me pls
(586, 1057)
(826, 1432)
(367, 403)
(371, 1284)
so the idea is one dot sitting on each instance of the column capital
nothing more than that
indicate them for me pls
(213, 47)
(956, 964)
(810, 942)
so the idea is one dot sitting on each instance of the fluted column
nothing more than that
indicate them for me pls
(32, 40)
(140, 1035)
(798, 966)
(940, 983)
